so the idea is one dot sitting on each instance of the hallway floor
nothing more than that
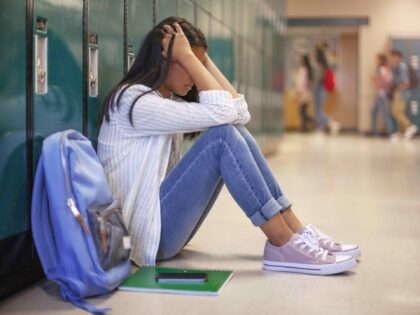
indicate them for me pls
(360, 190)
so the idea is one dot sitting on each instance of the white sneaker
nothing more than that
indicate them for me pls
(326, 242)
(396, 136)
(335, 127)
(410, 132)
(302, 254)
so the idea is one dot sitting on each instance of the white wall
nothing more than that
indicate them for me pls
(386, 18)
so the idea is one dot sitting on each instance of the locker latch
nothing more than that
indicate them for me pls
(93, 65)
(130, 56)
(41, 56)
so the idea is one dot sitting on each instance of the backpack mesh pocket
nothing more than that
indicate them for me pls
(110, 235)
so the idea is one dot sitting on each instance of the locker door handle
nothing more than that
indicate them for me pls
(41, 56)
(92, 80)
(130, 56)
(42, 73)
(93, 65)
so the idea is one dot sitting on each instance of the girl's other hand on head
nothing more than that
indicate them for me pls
(181, 49)
(206, 59)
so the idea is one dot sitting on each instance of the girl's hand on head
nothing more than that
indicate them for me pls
(206, 59)
(181, 49)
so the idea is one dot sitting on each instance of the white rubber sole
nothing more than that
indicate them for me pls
(313, 269)
(355, 253)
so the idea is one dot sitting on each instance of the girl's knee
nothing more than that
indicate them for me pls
(225, 131)
(225, 135)
(241, 129)
(222, 128)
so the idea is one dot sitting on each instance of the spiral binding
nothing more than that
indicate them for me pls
(193, 269)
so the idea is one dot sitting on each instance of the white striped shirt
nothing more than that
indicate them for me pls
(136, 157)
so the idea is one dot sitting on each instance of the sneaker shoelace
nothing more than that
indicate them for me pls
(309, 244)
(321, 237)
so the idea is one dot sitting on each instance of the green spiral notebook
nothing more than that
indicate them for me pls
(144, 280)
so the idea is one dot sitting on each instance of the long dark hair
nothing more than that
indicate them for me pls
(320, 57)
(382, 60)
(307, 64)
(150, 68)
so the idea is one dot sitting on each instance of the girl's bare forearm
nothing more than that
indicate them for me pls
(221, 79)
(201, 77)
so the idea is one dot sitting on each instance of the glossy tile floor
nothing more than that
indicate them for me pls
(360, 190)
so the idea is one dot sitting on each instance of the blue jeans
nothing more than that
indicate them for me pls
(381, 104)
(223, 154)
(321, 118)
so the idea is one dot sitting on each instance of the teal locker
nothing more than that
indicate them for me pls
(278, 77)
(228, 12)
(265, 32)
(186, 10)
(410, 48)
(221, 48)
(253, 93)
(105, 56)
(139, 23)
(239, 63)
(18, 265)
(207, 5)
(203, 22)
(58, 54)
(413, 109)
(14, 211)
(218, 10)
(166, 8)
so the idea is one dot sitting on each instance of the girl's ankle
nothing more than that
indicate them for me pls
(279, 240)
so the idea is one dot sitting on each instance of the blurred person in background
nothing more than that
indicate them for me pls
(303, 84)
(320, 69)
(382, 80)
(400, 96)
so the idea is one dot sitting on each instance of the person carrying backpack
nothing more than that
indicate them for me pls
(323, 82)
(400, 96)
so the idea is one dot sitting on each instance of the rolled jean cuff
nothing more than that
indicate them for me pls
(284, 203)
(267, 211)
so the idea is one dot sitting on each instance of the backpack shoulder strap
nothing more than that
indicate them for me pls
(70, 198)
(86, 306)
(40, 223)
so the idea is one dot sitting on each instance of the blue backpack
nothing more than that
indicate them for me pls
(77, 227)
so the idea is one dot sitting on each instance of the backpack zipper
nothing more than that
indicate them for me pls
(77, 215)
(102, 231)
(70, 201)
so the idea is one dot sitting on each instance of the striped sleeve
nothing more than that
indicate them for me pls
(241, 107)
(154, 115)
